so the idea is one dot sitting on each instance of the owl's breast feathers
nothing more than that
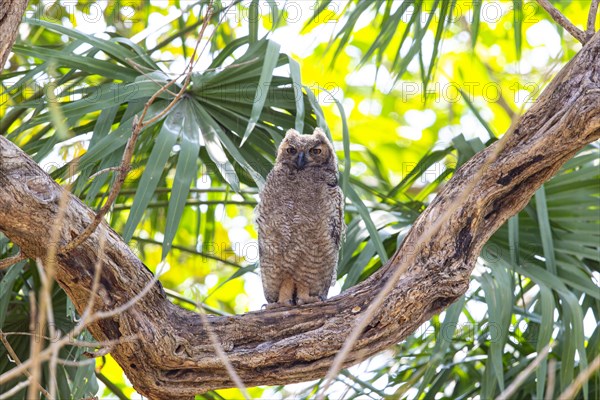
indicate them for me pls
(300, 220)
(300, 227)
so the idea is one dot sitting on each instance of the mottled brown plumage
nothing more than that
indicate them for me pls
(300, 221)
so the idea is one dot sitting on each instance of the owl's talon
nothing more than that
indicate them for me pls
(308, 300)
(274, 306)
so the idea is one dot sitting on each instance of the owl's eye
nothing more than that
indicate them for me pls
(291, 150)
(315, 151)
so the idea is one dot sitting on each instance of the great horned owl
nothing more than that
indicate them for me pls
(300, 221)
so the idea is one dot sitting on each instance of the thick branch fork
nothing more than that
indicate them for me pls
(174, 357)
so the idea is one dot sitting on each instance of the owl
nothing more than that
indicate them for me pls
(300, 221)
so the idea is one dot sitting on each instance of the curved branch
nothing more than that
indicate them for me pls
(563, 21)
(11, 12)
(175, 358)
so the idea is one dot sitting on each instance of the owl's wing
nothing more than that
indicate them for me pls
(268, 219)
(256, 215)
(337, 227)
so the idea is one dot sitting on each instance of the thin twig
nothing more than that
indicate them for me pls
(139, 69)
(138, 125)
(44, 300)
(47, 275)
(98, 353)
(86, 319)
(50, 325)
(7, 262)
(123, 170)
(17, 361)
(82, 343)
(551, 380)
(235, 378)
(575, 386)
(523, 375)
(124, 307)
(103, 171)
(69, 363)
(16, 389)
(70, 337)
(563, 21)
(591, 23)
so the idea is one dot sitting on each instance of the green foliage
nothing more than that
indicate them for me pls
(188, 201)
(18, 285)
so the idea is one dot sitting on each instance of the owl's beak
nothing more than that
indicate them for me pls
(301, 160)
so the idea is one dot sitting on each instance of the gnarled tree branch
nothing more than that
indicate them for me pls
(11, 12)
(175, 358)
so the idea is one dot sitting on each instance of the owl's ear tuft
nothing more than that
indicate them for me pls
(292, 132)
(318, 132)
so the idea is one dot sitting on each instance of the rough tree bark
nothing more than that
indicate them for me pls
(174, 357)
(11, 12)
